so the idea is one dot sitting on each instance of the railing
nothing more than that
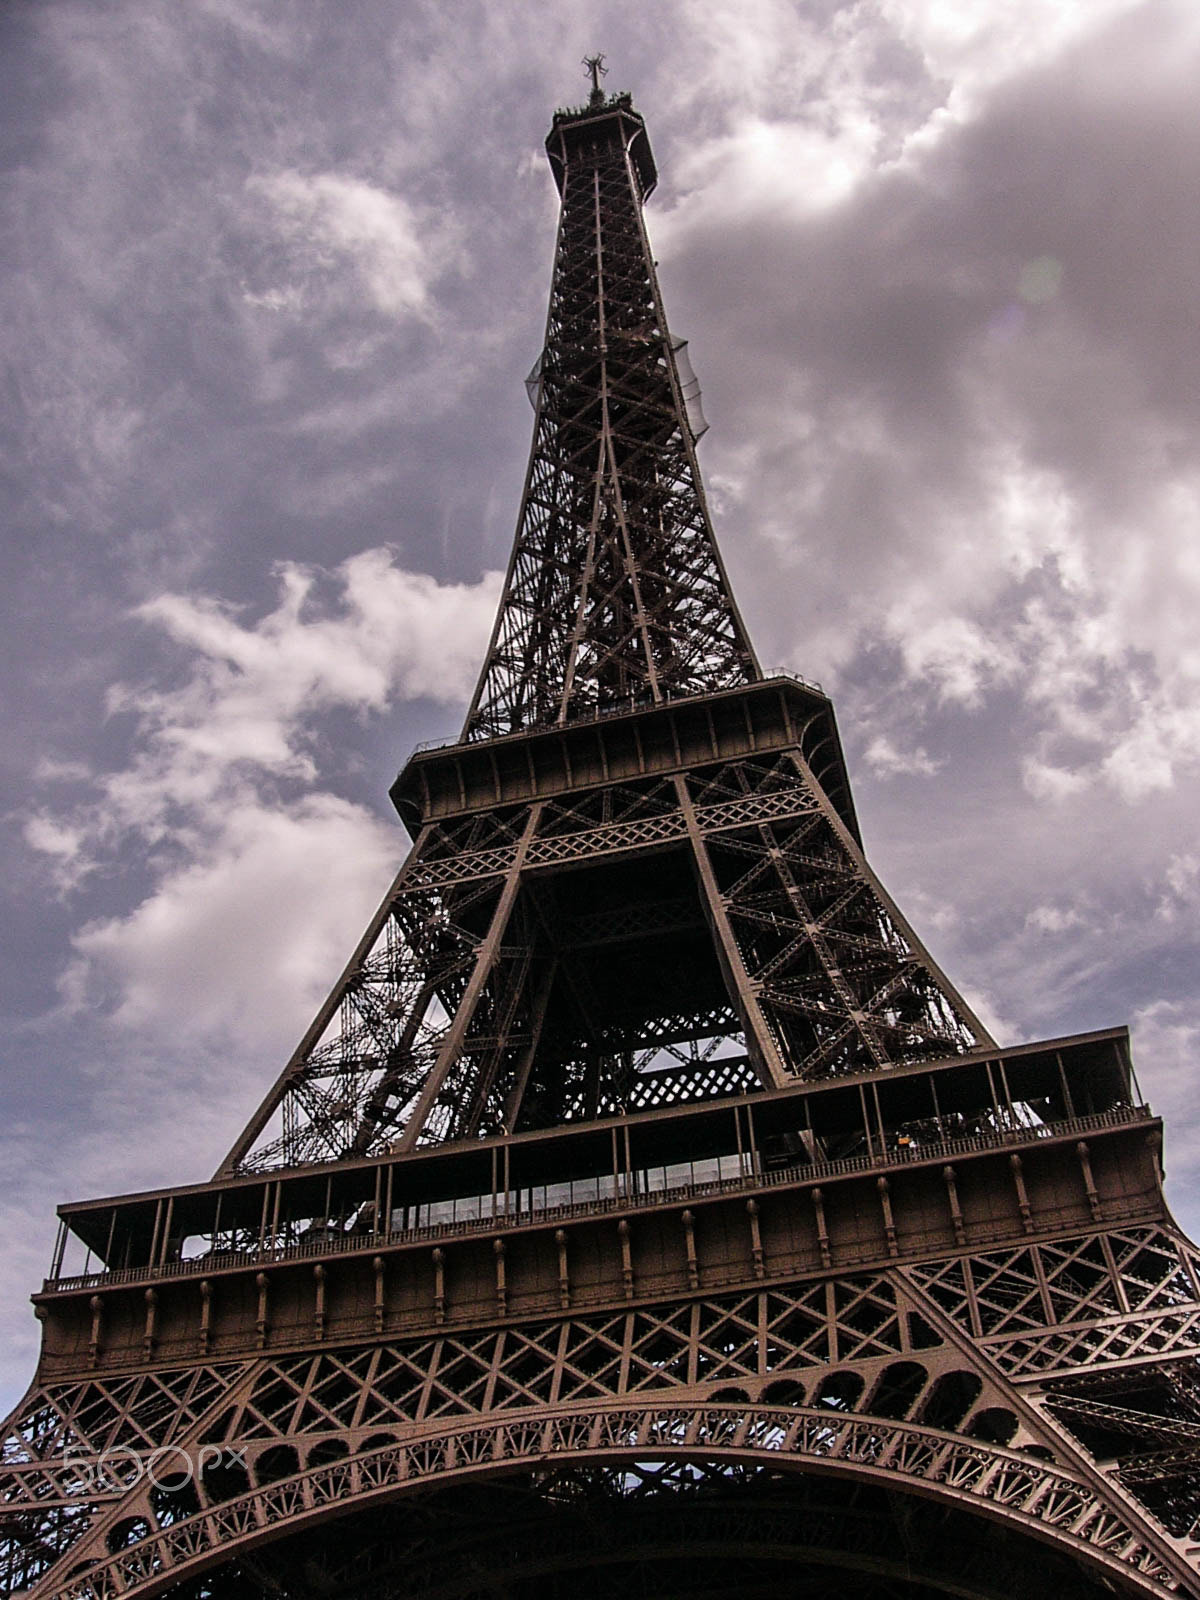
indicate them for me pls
(620, 708)
(800, 1172)
(444, 743)
(794, 677)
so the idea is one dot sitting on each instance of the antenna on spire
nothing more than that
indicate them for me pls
(595, 65)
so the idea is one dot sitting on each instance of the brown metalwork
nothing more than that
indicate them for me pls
(644, 1209)
(615, 591)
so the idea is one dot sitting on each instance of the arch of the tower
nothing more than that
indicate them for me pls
(692, 1530)
(701, 1498)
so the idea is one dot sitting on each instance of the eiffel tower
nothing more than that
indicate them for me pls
(645, 1210)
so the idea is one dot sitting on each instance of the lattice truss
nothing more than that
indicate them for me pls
(630, 946)
(841, 981)
(615, 591)
(1094, 1316)
(71, 1452)
(878, 1368)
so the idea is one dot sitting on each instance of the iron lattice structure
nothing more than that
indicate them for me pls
(644, 1209)
(615, 593)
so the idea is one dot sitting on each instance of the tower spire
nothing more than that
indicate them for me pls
(595, 66)
(615, 593)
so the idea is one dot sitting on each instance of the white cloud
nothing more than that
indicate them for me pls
(1166, 1045)
(953, 654)
(739, 173)
(1054, 919)
(51, 770)
(290, 298)
(392, 633)
(973, 44)
(239, 944)
(1006, 492)
(252, 866)
(886, 761)
(62, 842)
(1181, 896)
(247, 712)
(983, 1003)
(1045, 782)
(333, 221)
(1149, 754)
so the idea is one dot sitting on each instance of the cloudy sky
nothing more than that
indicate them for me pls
(273, 271)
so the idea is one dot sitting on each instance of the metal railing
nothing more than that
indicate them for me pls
(620, 708)
(625, 1198)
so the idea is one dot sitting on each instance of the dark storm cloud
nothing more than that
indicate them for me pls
(878, 354)
(961, 417)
